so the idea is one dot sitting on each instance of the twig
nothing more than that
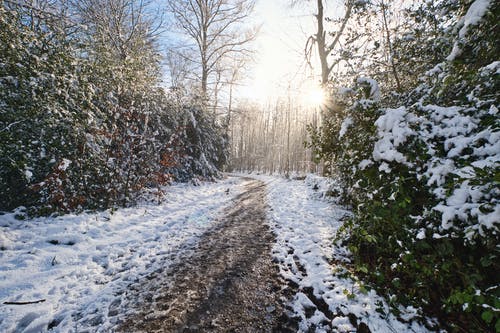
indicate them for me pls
(24, 303)
(7, 128)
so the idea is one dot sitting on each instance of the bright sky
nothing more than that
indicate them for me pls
(280, 59)
(280, 49)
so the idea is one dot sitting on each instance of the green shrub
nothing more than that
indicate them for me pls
(423, 183)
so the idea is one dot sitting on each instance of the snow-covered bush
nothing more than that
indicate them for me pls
(422, 178)
(205, 145)
(45, 111)
(84, 123)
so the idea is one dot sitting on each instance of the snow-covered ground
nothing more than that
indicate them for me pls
(305, 224)
(81, 264)
(78, 264)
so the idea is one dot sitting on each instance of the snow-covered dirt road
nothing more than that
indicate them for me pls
(226, 283)
(240, 255)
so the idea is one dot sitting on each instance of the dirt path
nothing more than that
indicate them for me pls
(228, 283)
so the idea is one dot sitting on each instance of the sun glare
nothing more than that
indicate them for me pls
(315, 96)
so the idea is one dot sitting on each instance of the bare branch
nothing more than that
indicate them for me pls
(215, 26)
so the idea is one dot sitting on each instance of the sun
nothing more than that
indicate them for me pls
(314, 97)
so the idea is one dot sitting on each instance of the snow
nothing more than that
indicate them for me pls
(435, 70)
(421, 234)
(473, 16)
(393, 130)
(374, 87)
(80, 264)
(345, 126)
(493, 68)
(28, 174)
(345, 91)
(342, 324)
(193, 119)
(65, 163)
(384, 167)
(490, 220)
(364, 164)
(458, 128)
(305, 226)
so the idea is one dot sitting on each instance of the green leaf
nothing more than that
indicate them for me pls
(396, 282)
(363, 269)
(487, 316)
(363, 289)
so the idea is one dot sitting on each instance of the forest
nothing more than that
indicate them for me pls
(104, 103)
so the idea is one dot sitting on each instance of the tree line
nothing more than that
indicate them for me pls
(271, 138)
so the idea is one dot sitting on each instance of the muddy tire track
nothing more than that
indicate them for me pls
(228, 283)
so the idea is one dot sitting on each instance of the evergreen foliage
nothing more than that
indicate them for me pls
(421, 173)
(84, 123)
(43, 91)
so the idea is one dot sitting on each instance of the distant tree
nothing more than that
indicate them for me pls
(179, 68)
(235, 73)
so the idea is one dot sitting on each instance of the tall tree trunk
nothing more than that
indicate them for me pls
(321, 44)
(389, 48)
(288, 134)
(204, 79)
(324, 49)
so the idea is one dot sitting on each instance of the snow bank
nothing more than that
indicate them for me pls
(80, 264)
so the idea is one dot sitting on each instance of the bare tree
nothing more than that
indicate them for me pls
(270, 138)
(234, 76)
(178, 69)
(361, 41)
(324, 46)
(392, 63)
(126, 27)
(217, 86)
(216, 28)
(37, 14)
